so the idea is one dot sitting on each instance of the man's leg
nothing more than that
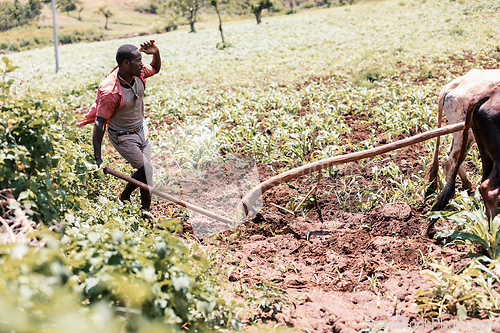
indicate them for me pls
(148, 171)
(140, 175)
(147, 176)
(136, 149)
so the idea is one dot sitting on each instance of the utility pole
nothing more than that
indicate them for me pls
(56, 41)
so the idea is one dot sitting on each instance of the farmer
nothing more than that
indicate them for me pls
(120, 104)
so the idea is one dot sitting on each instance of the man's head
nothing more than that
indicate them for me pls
(129, 59)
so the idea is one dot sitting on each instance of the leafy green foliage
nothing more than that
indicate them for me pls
(39, 161)
(104, 269)
(265, 301)
(71, 36)
(136, 278)
(188, 9)
(6, 83)
(155, 276)
(67, 5)
(472, 291)
(257, 6)
(40, 157)
(14, 13)
(468, 293)
(473, 227)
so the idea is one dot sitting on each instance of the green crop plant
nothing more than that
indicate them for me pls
(350, 196)
(39, 158)
(300, 202)
(264, 301)
(405, 190)
(423, 261)
(473, 228)
(469, 293)
(392, 171)
(375, 285)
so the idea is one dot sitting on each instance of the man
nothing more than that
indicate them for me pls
(120, 104)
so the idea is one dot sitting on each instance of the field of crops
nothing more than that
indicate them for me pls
(290, 91)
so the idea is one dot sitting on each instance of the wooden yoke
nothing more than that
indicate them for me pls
(245, 207)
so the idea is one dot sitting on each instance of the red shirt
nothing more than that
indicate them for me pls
(110, 97)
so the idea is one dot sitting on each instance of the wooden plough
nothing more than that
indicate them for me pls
(245, 208)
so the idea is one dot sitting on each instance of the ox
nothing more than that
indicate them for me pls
(453, 100)
(483, 117)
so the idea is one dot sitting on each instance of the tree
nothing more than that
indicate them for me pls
(107, 14)
(66, 6)
(79, 7)
(188, 9)
(14, 14)
(32, 10)
(257, 6)
(215, 3)
(326, 3)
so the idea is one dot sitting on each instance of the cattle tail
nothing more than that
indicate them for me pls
(431, 176)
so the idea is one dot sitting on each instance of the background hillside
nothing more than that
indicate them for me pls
(133, 17)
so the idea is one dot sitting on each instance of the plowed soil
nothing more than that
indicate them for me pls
(330, 266)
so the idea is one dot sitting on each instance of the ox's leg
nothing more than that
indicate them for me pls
(487, 134)
(466, 182)
(449, 164)
(489, 191)
(490, 182)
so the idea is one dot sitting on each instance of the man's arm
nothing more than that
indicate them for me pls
(97, 136)
(149, 47)
(156, 61)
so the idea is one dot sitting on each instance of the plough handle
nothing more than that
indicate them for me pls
(167, 196)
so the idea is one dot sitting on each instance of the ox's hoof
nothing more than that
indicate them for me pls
(430, 231)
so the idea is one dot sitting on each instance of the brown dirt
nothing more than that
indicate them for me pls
(337, 268)
(331, 266)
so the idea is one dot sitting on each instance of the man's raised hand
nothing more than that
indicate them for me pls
(149, 47)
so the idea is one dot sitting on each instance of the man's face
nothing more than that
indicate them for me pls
(135, 64)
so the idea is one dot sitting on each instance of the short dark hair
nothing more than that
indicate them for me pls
(125, 52)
